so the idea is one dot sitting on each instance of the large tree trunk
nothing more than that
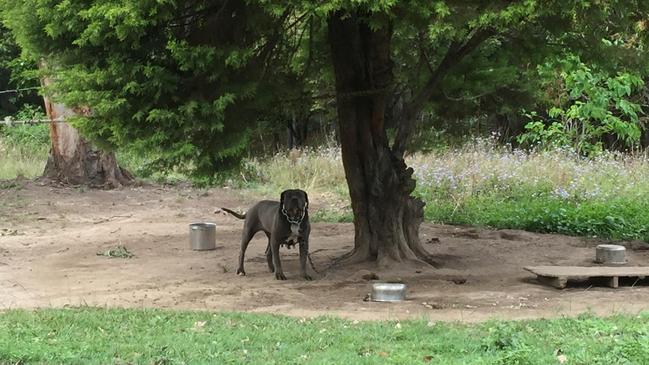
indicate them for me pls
(73, 160)
(386, 217)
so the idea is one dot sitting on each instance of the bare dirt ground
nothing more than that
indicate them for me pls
(50, 237)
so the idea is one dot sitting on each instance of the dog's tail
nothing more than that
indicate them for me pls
(238, 215)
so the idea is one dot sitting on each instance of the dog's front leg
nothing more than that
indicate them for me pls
(304, 251)
(274, 247)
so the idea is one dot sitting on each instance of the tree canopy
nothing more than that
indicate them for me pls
(195, 79)
(185, 78)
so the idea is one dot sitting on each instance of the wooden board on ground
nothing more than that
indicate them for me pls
(558, 276)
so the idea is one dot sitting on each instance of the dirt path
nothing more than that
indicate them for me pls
(50, 238)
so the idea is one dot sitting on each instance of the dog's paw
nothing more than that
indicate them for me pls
(307, 277)
(280, 276)
(240, 272)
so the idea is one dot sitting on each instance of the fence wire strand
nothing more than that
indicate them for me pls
(12, 122)
(19, 90)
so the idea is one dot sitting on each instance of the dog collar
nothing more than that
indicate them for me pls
(293, 221)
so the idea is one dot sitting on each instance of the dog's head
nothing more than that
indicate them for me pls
(294, 204)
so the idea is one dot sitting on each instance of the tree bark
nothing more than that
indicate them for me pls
(73, 160)
(386, 217)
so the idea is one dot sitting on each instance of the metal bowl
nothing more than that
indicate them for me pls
(610, 254)
(388, 292)
(202, 236)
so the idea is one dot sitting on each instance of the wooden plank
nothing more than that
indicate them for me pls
(557, 276)
(590, 271)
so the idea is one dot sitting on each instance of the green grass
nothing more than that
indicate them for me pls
(618, 218)
(329, 215)
(121, 336)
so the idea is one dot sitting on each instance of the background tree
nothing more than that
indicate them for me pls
(73, 159)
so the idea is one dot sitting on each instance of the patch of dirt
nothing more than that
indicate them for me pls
(49, 258)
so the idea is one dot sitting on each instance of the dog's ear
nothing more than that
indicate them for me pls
(281, 199)
(306, 199)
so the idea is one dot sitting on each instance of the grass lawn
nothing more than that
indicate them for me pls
(146, 336)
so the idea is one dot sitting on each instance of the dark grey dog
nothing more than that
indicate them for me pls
(284, 222)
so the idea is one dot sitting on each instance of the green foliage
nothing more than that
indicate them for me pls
(485, 90)
(142, 162)
(14, 74)
(550, 136)
(144, 336)
(591, 107)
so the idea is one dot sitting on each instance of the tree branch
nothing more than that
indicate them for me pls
(197, 15)
(266, 52)
(467, 98)
(456, 52)
(424, 56)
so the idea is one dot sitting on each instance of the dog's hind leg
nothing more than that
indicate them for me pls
(269, 255)
(246, 236)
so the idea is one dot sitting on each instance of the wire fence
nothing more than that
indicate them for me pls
(12, 122)
(9, 121)
(19, 90)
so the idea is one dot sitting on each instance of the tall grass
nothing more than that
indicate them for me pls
(317, 171)
(309, 169)
(546, 191)
(480, 183)
(16, 161)
(23, 151)
(485, 184)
